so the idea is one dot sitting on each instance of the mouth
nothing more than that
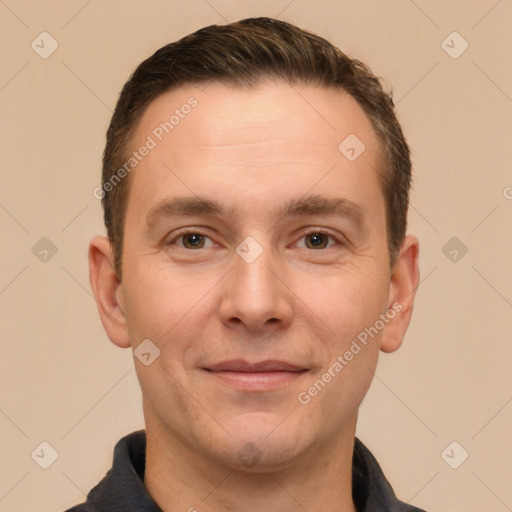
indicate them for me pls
(260, 376)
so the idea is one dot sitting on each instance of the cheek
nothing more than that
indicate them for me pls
(156, 302)
(347, 299)
(170, 308)
(348, 389)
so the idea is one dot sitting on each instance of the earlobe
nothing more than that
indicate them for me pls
(403, 285)
(107, 291)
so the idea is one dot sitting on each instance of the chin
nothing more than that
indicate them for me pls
(264, 442)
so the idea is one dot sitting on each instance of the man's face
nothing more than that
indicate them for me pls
(252, 283)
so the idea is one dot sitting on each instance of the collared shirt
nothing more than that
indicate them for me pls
(123, 490)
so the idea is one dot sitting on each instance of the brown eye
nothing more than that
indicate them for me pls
(189, 239)
(192, 240)
(316, 240)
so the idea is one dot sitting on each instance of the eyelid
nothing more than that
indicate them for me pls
(339, 239)
(187, 231)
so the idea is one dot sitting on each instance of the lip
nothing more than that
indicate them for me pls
(240, 365)
(259, 376)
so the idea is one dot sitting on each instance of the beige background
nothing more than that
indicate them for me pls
(63, 382)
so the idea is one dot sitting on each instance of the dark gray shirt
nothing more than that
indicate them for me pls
(122, 489)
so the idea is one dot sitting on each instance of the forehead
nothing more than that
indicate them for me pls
(264, 140)
(222, 113)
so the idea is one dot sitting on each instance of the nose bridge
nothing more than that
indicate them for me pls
(255, 275)
(253, 266)
(255, 295)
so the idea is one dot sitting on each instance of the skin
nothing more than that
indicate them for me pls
(253, 150)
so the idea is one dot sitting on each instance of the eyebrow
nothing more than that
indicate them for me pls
(307, 205)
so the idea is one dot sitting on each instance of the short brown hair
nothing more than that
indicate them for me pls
(245, 53)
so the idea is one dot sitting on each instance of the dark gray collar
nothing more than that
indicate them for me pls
(122, 489)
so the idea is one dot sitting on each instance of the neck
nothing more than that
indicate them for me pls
(179, 478)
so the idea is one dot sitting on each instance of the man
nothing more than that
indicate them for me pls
(255, 187)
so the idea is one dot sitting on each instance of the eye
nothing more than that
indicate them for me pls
(190, 240)
(318, 239)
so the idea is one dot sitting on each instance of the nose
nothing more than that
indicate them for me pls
(255, 294)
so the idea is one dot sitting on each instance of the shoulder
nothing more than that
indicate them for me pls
(79, 508)
(371, 490)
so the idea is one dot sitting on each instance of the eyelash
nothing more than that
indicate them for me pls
(308, 233)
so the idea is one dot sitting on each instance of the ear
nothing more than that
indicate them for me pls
(402, 290)
(106, 288)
